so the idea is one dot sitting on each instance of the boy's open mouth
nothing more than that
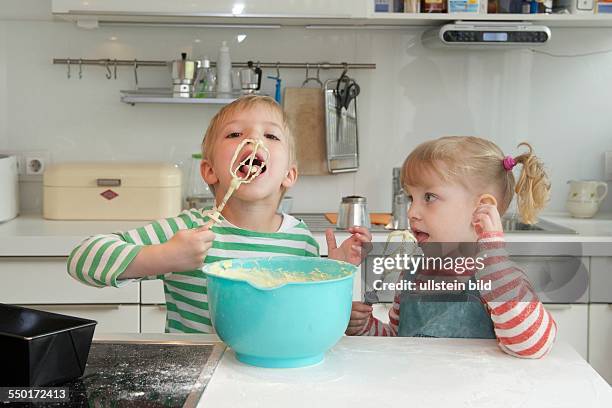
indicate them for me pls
(257, 162)
(421, 236)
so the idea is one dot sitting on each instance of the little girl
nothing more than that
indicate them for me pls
(459, 187)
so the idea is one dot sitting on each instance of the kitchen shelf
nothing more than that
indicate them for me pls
(267, 14)
(552, 20)
(140, 96)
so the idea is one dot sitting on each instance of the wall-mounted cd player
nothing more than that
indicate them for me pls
(487, 33)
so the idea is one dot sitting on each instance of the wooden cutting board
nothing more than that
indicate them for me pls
(375, 218)
(306, 110)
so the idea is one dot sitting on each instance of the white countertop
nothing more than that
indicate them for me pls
(422, 372)
(31, 235)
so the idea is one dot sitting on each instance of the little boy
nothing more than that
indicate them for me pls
(175, 249)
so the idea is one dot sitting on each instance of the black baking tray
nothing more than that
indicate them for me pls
(40, 348)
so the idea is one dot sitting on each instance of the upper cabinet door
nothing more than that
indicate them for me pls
(192, 10)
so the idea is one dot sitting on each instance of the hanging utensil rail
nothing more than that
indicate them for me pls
(156, 63)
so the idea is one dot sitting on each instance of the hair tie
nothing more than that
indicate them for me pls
(508, 163)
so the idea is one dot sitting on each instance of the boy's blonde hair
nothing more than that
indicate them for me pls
(479, 165)
(242, 104)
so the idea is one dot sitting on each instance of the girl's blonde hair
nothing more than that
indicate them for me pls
(242, 104)
(480, 165)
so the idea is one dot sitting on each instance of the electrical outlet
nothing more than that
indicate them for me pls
(30, 164)
(608, 166)
(34, 165)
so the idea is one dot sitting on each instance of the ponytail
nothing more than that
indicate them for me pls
(533, 186)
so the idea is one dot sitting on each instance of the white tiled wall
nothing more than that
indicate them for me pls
(561, 105)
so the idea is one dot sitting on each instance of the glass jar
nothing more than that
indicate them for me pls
(198, 193)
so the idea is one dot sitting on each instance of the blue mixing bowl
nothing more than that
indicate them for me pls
(292, 325)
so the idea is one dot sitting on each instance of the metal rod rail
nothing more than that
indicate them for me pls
(106, 62)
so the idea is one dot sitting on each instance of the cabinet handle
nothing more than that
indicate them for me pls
(549, 258)
(77, 306)
(101, 182)
(558, 307)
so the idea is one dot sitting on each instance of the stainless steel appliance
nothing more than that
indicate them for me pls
(353, 212)
(250, 78)
(487, 34)
(183, 76)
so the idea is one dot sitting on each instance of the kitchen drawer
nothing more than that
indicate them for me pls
(110, 318)
(44, 280)
(572, 325)
(601, 280)
(152, 318)
(557, 279)
(600, 339)
(152, 292)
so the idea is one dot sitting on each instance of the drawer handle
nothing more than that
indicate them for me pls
(82, 307)
(558, 307)
(102, 182)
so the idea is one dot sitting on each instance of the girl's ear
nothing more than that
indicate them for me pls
(208, 172)
(290, 177)
(487, 199)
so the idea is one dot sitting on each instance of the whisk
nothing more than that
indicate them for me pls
(252, 171)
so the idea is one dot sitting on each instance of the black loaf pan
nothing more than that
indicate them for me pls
(41, 348)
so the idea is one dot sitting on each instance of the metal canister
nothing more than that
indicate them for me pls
(353, 212)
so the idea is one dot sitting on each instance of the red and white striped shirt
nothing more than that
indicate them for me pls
(523, 327)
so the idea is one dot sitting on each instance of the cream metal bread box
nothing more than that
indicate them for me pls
(111, 191)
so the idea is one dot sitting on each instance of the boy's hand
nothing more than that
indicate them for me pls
(360, 313)
(351, 249)
(486, 218)
(187, 248)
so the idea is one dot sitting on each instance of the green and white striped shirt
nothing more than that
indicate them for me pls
(100, 260)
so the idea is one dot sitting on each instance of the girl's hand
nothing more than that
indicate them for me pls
(486, 218)
(351, 249)
(360, 313)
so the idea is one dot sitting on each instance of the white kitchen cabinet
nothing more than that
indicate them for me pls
(209, 10)
(152, 318)
(601, 279)
(600, 339)
(110, 318)
(572, 325)
(600, 317)
(152, 308)
(337, 13)
(44, 280)
(557, 279)
(152, 292)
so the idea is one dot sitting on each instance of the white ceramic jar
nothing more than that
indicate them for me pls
(9, 188)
